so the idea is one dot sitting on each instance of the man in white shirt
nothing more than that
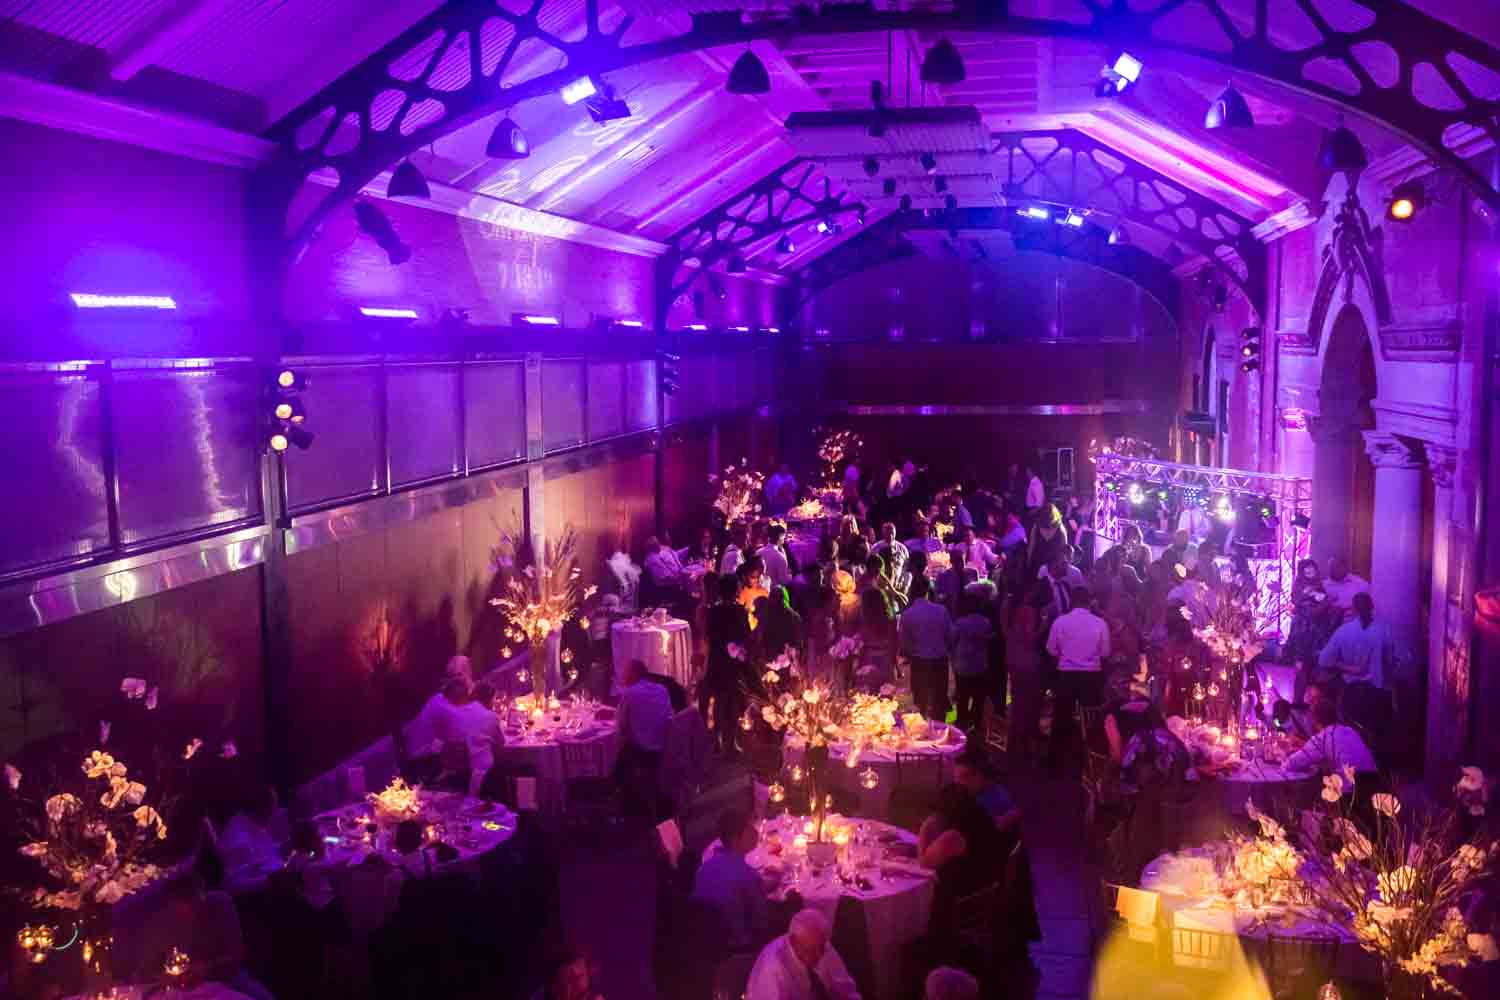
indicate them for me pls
(734, 552)
(978, 553)
(425, 734)
(1342, 585)
(892, 552)
(480, 729)
(1080, 641)
(801, 965)
(1061, 577)
(1036, 493)
(773, 554)
(641, 720)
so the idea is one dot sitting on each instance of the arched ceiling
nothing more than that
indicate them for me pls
(689, 146)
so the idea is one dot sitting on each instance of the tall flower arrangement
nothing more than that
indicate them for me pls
(542, 597)
(836, 448)
(1230, 634)
(807, 710)
(740, 492)
(1400, 883)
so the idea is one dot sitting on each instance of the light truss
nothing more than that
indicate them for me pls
(1066, 167)
(792, 195)
(460, 63)
(1274, 565)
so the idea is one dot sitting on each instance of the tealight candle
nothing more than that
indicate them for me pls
(177, 963)
(868, 779)
(1252, 733)
(746, 723)
(808, 827)
(841, 836)
(799, 843)
(776, 793)
(796, 775)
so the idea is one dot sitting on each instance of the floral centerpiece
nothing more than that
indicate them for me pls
(810, 510)
(1401, 883)
(396, 803)
(1230, 634)
(845, 652)
(807, 711)
(837, 447)
(539, 599)
(740, 492)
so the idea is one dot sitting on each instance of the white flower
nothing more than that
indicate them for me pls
(151, 700)
(192, 748)
(145, 816)
(771, 677)
(769, 714)
(1484, 947)
(109, 892)
(101, 765)
(737, 652)
(1471, 780)
(1469, 857)
(133, 688)
(13, 776)
(36, 849)
(103, 732)
(811, 696)
(1387, 915)
(1396, 882)
(229, 751)
(1355, 843)
(59, 805)
(1386, 805)
(589, 591)
(1333, 787)
(1348, 771)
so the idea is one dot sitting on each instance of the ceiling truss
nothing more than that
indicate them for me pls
(1398, 67)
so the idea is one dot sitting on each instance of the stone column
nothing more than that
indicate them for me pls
(1447, 676)
(1395, 559)
(1332, 488)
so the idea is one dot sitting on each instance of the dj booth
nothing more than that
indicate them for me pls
(1262, 516)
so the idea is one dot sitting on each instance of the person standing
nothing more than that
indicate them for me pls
(728, 635)
(971, 661)
(1036, 494)
(773, 554)
(1362, 654)
(781, 491)
(1080, 641)
(892, 552)
(1342, 585)
(926, 631)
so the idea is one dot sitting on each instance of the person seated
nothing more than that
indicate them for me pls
(1333, 747)
(422, 736)
(476, 723)
(204, 925)
(641, 720)
(248, 849)
(974, 773)
(727, 883)
(1150, 756)
(801, 965)
(664, 569)
(960, 843)
(569, 976)
(410, 842)
(948, 983)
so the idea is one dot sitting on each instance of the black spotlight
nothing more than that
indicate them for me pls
(407, 182)
(1342, 151)
(929, 162)
(373, 221)
(287, 378)
(507, 142)
(872, 166)
(285, 412)
(940, 185)
(1220, 298)
(943, 65)
(1229, 111)
(289, 409)
(785, 245)
(1301, 521)
(950, 202)
(1407, 199)
(888, 186)
(748, 76)
(603, 106)
(669, 371)
(735, 264)
(906, 203)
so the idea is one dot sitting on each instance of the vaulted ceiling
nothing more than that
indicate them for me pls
(689, 145)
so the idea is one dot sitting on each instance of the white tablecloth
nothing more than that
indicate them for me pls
(897, 905)
(473, 827)
(665, 648)
(203, 991)
(924, 763)
(557, 755)
(1255, 779)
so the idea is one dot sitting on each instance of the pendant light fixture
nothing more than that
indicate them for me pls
(407, 182)
(1229, 111)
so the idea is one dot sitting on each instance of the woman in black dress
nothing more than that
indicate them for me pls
(724, 680)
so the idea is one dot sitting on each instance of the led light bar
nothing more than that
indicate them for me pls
(382, 312)
(629, 322)
(773, 329)
(740, 329)
(540, 320)
(699, 327)
(90, 300)
(1036, 212)
(579, 90)
(1072, 219)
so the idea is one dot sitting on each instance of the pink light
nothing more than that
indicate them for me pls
(91, 300)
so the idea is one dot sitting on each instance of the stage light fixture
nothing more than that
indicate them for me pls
(1301, 521)
(580, 89)
(1036, 212)
(906, 203)
(407, 182)
(735, 264)
(748, 75)
(1224, 509)
(928, 162)
(824, 226)
(92, 300)
(1220, 298)
(373, 222)
(1073, 219)
(1407, 199)
(606, 107)
(1118, 237)
(287, 378)
(785, 245)
(1342, 151)
(384, 312)
(289, 409)
(1250, 366)
(859, 215)
(940, 184)
(943, 65)
(1229, 111)
(507, 142)
(1135, 494)
(1119, 76)
(950, 202)
(872, 166)
(526, 319)
(888, 187)
(697, 327)
(634, 324)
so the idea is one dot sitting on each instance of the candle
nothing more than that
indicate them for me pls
(799, 843)
(177, 963)
(553, 703)
(1252, 733)
(796, 775)
(868, 779)
(841, 836)
(776, 793)
(808, 827)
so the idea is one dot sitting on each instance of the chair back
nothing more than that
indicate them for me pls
(1091, 724)
(582, 759)
(851, 939)
(918, 771)
(1293, 961)
(684, 754)
(1200, 949)
(732, 977)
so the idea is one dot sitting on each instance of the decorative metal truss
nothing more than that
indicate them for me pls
(794, 194)
(1066, 167)
(1274, 565)
(886, 240)
(1390, 63)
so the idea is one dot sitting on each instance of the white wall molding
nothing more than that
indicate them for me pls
(508, 215)
(63, 108)
(1278, 224)
(1406, 162)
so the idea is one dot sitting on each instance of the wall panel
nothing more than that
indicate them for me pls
(563, 386)
(606, 399)
(495, 417)
(610, 506)
(686, 492)
(640, 395)
(422, 405)
(343, 406)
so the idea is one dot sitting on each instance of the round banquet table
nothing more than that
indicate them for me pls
(556, 753)
(665, 647)
(1239, 781)
(803, 546)
(897, 904)
(927, 763)
(203, 991)
(1188, 899)
(473, 827)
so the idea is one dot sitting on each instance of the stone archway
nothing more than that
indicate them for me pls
(1343, 477)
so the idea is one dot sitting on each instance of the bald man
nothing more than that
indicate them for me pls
(801, 965)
